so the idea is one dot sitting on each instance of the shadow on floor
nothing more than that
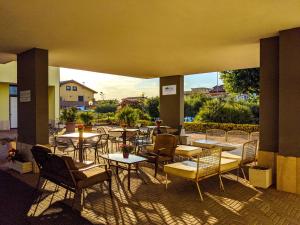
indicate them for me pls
(17, 199)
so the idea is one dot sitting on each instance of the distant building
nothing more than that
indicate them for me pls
(75, 94)
(199, 90)
(132, 101)
(218, 91)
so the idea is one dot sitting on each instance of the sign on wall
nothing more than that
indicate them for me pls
(25, 96)
(169, 90)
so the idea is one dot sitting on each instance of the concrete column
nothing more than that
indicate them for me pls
(288, 159)
(269, 102)
(172, 105)
(33, 97)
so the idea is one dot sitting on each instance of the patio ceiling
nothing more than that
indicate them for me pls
(143, 38)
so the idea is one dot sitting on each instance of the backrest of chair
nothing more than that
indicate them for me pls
(41, 155)
(237, 136)
(212, 134)
(62, 142)
(208, 162)
(167, 142)
(249, 152)
(101, 130)
(254, 136)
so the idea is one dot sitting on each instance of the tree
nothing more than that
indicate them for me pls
(193, 103)
(106, 106)
(152, 107)
(128, 115)
(243, 81)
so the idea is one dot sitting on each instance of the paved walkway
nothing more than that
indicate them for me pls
(240, 203)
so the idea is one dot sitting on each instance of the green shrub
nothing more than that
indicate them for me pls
(68, 115)
(145, 123)
(220, 111)
(86, 118)
(128, 115)
(203, 126)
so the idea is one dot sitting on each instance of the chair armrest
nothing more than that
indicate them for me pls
(90, 167)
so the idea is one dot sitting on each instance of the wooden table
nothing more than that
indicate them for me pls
(203, 143)
(123, 131)
(187, 150)
(132, 160)
(75, 135)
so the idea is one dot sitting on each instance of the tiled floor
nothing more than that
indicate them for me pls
(150, 203)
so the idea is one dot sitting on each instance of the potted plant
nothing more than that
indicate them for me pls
(126, 149)
(17, 162)
(69, 116)
(87, 118)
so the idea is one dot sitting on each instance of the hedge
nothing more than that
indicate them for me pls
(202, 126)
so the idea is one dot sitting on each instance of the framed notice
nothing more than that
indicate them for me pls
(169, 90)
(25, 96)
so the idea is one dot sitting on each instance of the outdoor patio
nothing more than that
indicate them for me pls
(149, 203)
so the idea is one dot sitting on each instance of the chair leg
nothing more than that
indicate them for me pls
(237, 174)
(221, 182)
(198, 187)
(243, 173)
(166, 180)
(38, 183)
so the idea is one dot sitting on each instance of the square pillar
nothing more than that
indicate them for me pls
(33, 97)
(171, 92)
(269, 102)
(288, 159)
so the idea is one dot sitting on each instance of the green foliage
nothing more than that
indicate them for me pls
(152, 107)
(244, 81)
(142, 115)
(86, 118)
(145, 123)
(107, 106)
(128, 115)
(203, 126)
(221, 111)
(68, 115)
(193, 103)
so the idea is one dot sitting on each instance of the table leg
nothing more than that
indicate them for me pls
(80, 149)
(117, 168)
(129, 169)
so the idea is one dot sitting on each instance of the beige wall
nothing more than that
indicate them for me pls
(4, 102)
(8, 75)
(73, 95)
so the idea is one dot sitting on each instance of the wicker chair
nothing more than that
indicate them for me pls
(215, 134)
(65, 145)
(254, 136)
(100, 146)
(237, 136)
(206, 165)
(62, 171)
(163, 152)
(248, 154)
(101, 130)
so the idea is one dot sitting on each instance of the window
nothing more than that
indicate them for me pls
(68, 88)
(13, 90)
(74, 88)
(80, 98)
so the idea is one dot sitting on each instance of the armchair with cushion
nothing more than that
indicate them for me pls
(163, 151)
(62, 171)
(207, 164)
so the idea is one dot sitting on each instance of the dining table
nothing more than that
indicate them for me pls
(81, 139)
(225, 146)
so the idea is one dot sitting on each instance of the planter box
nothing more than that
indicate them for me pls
(185, 140)
(260, 176)
(21, 167)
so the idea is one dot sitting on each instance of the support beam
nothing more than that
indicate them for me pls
(172, 105)
(33, 97)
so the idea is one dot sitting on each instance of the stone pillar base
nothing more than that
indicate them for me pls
(25, 149)
(288, 174)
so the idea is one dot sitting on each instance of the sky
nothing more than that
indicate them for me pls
(118, 87)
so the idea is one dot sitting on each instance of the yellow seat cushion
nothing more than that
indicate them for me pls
(228, 164)
(186, 169)
(229, 155)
